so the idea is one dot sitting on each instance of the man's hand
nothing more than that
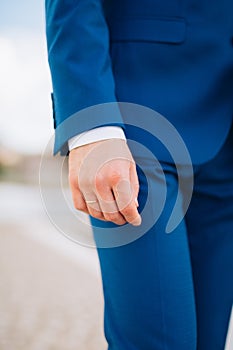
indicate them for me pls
(104, 182)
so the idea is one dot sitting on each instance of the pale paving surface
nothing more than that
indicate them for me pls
(50, 288)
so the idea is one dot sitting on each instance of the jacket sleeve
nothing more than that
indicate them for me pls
(80, 65)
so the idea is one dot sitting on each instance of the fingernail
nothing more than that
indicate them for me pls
(137, 221)
(136, 201)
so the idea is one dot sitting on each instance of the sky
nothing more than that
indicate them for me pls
(25, 86)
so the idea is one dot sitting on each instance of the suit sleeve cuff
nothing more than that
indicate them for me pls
(97, 134)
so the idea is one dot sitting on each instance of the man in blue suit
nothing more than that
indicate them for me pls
(162, 292)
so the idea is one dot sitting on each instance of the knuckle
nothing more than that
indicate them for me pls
(99, 179)
(114, 177)
(128, 211)
(115, 174)
(111, 217)
(85, 184)
(97, 214)
(79, 205)
(84, 180)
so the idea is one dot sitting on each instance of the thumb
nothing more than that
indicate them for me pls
(134, 182)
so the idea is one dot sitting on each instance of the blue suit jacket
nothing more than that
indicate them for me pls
(175, 56)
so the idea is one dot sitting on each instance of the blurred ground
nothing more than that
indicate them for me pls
(50, 288)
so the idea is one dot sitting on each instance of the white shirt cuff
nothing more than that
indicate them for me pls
(97, 134)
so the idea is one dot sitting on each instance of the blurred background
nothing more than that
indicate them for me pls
(50, 287)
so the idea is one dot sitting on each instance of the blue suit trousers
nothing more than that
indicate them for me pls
(175, 291)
